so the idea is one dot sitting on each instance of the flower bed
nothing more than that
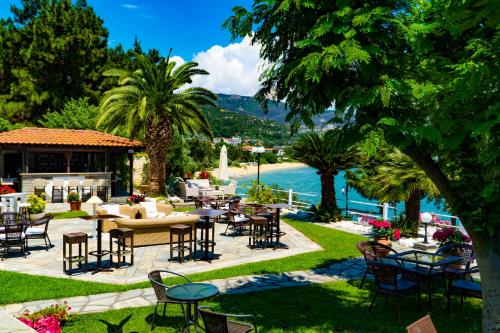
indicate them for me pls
(48, 320)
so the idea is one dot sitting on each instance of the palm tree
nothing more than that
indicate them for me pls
(329, 153)
(150, 103)
(391, 177)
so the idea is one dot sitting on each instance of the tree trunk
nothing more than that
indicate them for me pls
(488, 260)
(328, 198)
(412, 208)
(157, 141)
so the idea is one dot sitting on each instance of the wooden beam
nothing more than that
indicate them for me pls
(131, 172)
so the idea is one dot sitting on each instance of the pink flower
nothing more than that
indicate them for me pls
(26, 321)
(47, 325)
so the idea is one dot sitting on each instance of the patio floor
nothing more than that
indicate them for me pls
(232, 250)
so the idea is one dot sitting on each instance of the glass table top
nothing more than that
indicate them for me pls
(425, 258)
(190, 292)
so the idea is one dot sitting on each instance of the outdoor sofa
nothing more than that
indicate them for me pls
(154, 225)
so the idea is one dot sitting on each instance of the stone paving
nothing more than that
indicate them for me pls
(346, 270)
(232, 250)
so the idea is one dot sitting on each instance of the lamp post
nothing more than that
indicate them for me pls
(426, 218)
(345, 190)
(94, 200)
(258, 151)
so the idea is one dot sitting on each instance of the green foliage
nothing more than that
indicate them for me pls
(76, 114)
(37, 204)
(406, 226)
(261, 194)
(317, 213)
(5, 125)
(268, 158)
(73, 197)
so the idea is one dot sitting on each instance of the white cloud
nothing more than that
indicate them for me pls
(233, 69)
(129, 6)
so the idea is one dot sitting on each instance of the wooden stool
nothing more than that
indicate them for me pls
(200, 225)
(75, 238)
(121, 235)
(259, 231)
(181, 230)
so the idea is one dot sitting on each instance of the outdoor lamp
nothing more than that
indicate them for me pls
(258, 151)
(426, 218)
(94, 200)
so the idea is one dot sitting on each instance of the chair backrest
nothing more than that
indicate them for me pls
(44, 221)
(366, 250)
(159, 287)
(58, 183)
(385, 274)
(464, 251)
(11, 218)
(214, 322)
(14, 232)
(73, 183)
(39, 182)
(88, 183)
(423, 325)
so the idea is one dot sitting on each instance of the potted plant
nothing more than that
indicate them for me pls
(74, 201)
(6, 189)
(450, 235)
(135, 199)
(37, 207)
(383, 233)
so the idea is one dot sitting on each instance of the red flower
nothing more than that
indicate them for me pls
(5, 189)
(397, 234)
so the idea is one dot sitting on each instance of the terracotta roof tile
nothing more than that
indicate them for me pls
(65, 137)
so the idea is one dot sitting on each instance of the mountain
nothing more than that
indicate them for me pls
(249, 106)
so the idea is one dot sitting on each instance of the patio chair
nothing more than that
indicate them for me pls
(423, 325)
(73, 185)
(160, 291)
(467, 257)
(369, 251)
(464, 288)
(11, 218)
(237, 222)
(86, 189)
(216, 322)
(389, 282)
(13, 235)
(202, 203)
(57, 190)
(38, 230)
(39, 186)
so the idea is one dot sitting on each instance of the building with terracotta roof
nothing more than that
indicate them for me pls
(31, 153)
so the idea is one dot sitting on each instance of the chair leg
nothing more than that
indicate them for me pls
(397, 307)
(373, 300)
(363, 279)
(48, 238)
(154, 317)
(164, 311)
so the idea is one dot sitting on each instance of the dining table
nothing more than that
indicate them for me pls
(100, 252)
(191, 294)
(207, 214)
(427, 266)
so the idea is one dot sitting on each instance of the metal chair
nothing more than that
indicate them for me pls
(423, 325)
(160, 291)
(86, 189)
(38, 230)
(389, 282)
(73, 185)
(216, 322)
(11, 218)
(13, 235)
(464, 288)
(102, 192)
(39, 186)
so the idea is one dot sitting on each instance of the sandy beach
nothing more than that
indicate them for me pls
(248, 170)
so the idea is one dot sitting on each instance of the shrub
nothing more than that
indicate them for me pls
(320, 214)
(73, 196)
(261, 194)
(37, 204)
(407, 227)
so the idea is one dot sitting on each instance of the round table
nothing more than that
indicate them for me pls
(191, 294)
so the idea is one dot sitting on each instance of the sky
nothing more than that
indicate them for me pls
(192, 28)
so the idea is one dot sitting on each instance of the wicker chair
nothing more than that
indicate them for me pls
(369, 251)
(463, 288)
(160, 291)
(38, 230)
(423, 325)
(467, 257)
(12, 235)
(219, 322)
(237, 222)
(389, 282)
(11, 218)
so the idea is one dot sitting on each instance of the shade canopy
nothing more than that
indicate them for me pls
(223, 171)
(95, 200)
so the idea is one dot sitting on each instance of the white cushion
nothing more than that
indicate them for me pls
(111, 209)
(150, 208)
(2, 236)
(35, 231)
(240, 218)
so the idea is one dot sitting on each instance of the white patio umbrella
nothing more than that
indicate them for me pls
(223, 172)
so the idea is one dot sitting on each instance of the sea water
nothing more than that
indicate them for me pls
(306, 180)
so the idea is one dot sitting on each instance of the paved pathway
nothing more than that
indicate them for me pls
(346, 270)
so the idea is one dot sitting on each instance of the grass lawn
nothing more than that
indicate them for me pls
(69, 214)
(337, 246)
(184, 209)
(339, 307)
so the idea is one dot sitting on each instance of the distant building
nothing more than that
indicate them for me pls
(247, 148)
(217, 140)
(233, 141)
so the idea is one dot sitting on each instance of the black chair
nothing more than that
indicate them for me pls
(13, 235)
(11, 218)
(371, 251)
(38, 230)
(102, 192)
(216, 322)
(389, 282)
(466, 254)
(86, 189)
(160, 291)
(464, 288)
(57, 190)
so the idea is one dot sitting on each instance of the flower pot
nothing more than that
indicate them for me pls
(380, 251)
(37, 216)
(75, 205)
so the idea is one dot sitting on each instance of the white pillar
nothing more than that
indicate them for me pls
(290, 197)
(385, 211)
